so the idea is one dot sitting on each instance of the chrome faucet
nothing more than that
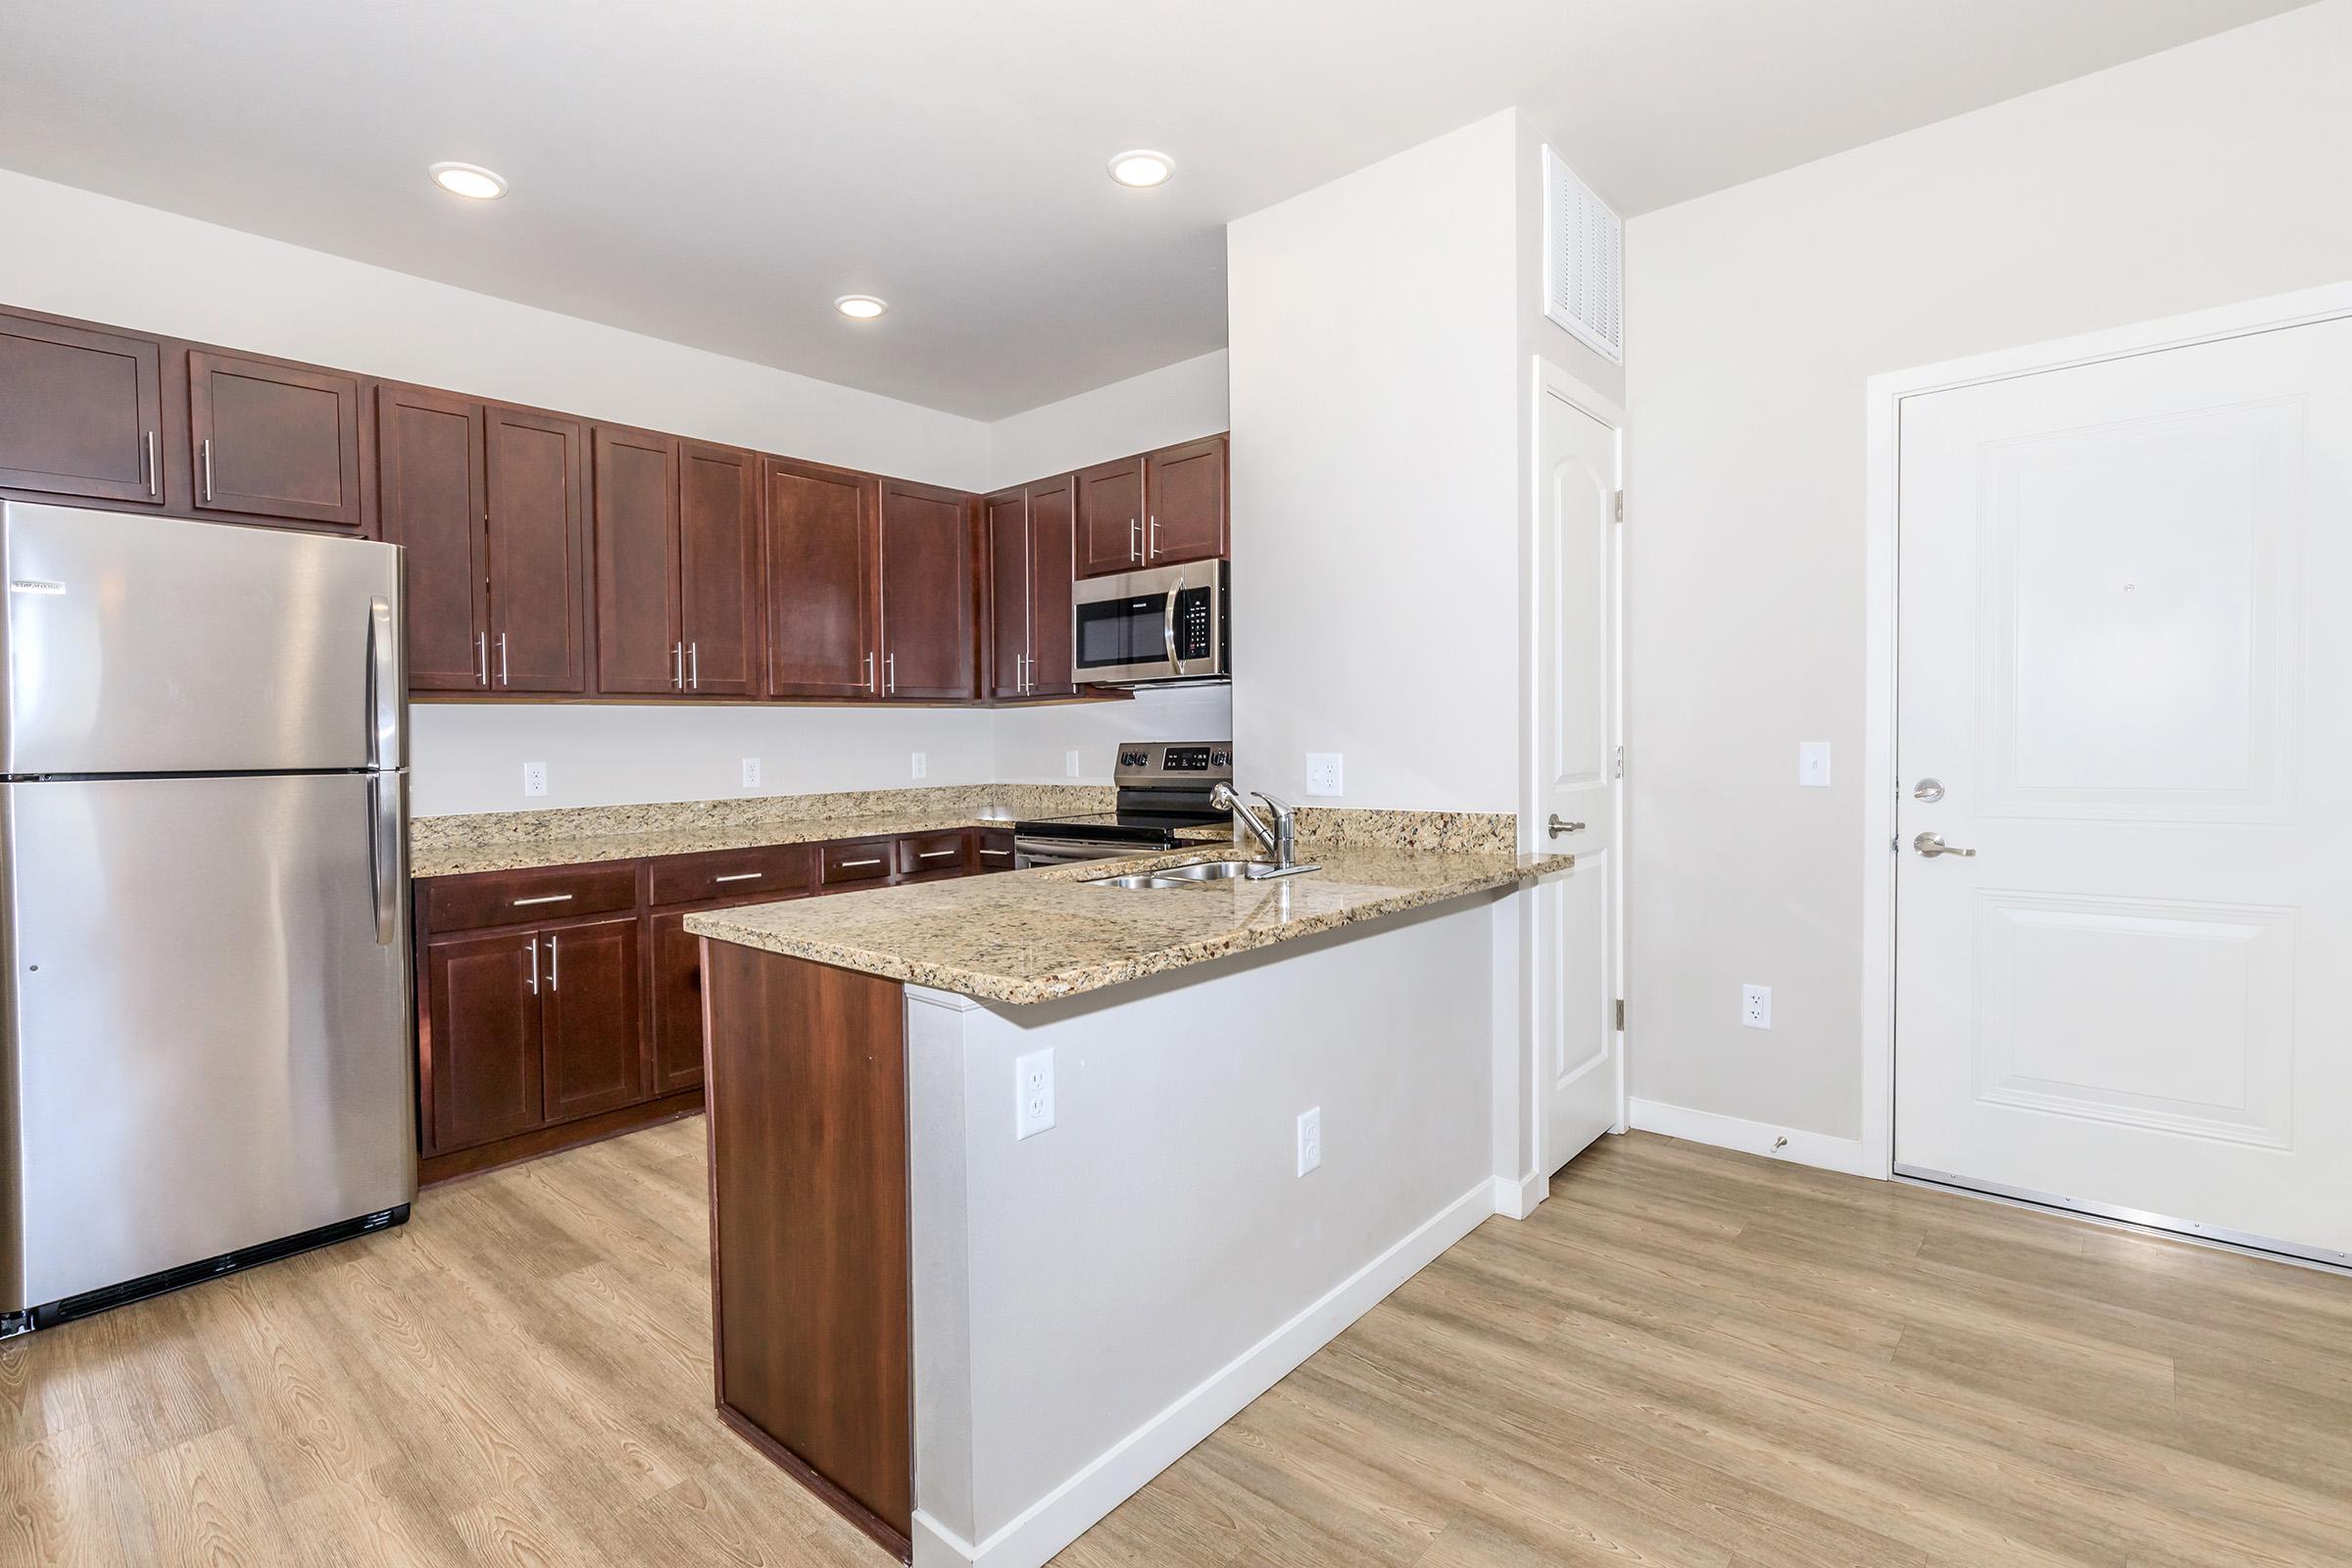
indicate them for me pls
(1281, 840)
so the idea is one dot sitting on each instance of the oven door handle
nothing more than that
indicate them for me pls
(1167, 624)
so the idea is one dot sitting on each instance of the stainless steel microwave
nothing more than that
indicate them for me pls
(1166, 623)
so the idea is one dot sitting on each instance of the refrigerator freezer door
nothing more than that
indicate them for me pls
(151, 645)
(210, 1047)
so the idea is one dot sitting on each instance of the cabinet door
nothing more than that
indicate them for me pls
(80, 413)
(1185, 505)
(1111, 517)
(538, 553)
(1005, 517)
(484, 1054)
(930, 603)
(719, 569)
(677, 1005)
(428, 450)
(639, 649)
(274, 440)
(594, 1037)
(1050, 670)
(820, 568)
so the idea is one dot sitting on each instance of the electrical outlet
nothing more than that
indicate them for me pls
(922, 764)
(1032, 1094)
(1813, 764)
(750, 772)
(534, 778)
(1755, 1007)
(1069, 763)
(1323, 772)
(1310, 1139)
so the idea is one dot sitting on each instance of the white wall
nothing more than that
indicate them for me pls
(1376, 486)
(1156, 408)
(2211, 173)
(1033, 744)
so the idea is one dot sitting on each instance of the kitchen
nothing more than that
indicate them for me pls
(655, 913)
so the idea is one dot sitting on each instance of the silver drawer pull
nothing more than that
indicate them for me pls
(845, 865)
(937, 854)
(544, 898)
(999, 854)
(740, 876)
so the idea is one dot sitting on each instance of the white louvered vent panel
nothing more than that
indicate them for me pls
(1584, 260)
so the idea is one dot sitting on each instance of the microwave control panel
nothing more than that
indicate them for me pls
(1196, 636)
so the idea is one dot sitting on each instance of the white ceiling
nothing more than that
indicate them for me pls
(716, 171)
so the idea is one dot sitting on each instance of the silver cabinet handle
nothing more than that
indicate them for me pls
(677, 666)
(869, 674)
(934, 855)
(1555, 827)
(502, 658)
(844, 864)
(383, 686)
(740, 876)
(694, 666)
(1931, 845)
(534, 967)
(553, 983)
(206, 447)
(481, 658)
(1152, 540)
(1135, 540)
(1167, 624)
(544, 898)
(997, 855)
(890, 682)
(155, 469)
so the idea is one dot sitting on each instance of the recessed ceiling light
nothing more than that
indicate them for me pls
(469, 180)
(859, 307)
(1143, 167)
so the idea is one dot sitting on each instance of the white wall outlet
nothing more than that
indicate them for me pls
(750, 772)
(923, 766)
(1755, 1007)
(1813, 764)
(1069, 763)
(1323, 772)
(534, 778)
(1310, 1139)
(1033, 1099)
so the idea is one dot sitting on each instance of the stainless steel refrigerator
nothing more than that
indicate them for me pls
(205, 1021)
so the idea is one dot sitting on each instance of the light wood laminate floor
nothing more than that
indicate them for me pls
(1686, 1357)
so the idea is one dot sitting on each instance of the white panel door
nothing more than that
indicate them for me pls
(2125, 663)
(1571, 920)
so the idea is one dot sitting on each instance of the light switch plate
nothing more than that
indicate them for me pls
(1323, 772)
(1032, 1094)
(750, 772)
(1069, 763)
(534, 778)
(1813, 764)
(923, 766)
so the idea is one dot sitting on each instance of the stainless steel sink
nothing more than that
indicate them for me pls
(1143, 879)
(1206, 871)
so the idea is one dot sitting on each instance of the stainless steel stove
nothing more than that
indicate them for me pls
(1163, 788)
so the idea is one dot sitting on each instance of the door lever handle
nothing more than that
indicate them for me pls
(1931, 845)
(1555, 827)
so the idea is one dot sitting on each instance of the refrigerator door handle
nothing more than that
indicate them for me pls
(383, 853)
(383, 686)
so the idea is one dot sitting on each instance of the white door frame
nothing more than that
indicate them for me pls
(1550, 381)
(1884, 396)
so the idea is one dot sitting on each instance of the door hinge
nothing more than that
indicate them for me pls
(1620, 506)
(1620, 763)
(1621, 1015)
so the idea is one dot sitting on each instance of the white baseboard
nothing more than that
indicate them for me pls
(1065, 1513)
(1753, 1137)
(1517, 1198)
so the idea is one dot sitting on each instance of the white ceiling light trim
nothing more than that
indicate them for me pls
(469, 180)
(1142, 168)
(859, 307)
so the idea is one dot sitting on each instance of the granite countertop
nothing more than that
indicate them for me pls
(453, 859)
(1036, 935)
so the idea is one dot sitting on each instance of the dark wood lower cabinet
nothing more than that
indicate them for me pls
(677, 1002)
(594, 1031)
(484, 1054)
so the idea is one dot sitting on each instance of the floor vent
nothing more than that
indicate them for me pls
(1584, 260)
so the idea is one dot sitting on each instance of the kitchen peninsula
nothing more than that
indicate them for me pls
(1020, 1184)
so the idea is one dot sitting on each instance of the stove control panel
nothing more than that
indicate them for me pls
(1198, 764)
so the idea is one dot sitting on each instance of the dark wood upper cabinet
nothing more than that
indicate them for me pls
(428, 448)
(1185, 506)
(719, 569)
(80, 412)
(930, 604)
(593, 1034)
(485, 1037)
(275, 441)
(1004, 519)
(639, 648)
(538, 551)
(1029, 582)
(822, 575)
(1111, 517)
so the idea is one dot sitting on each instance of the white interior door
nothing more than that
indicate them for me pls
(1571, 920)
(2123, 660)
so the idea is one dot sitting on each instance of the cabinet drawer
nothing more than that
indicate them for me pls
(927, 853)
(992, 850)
(549, 893)
(861, 861)
(782, 871)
